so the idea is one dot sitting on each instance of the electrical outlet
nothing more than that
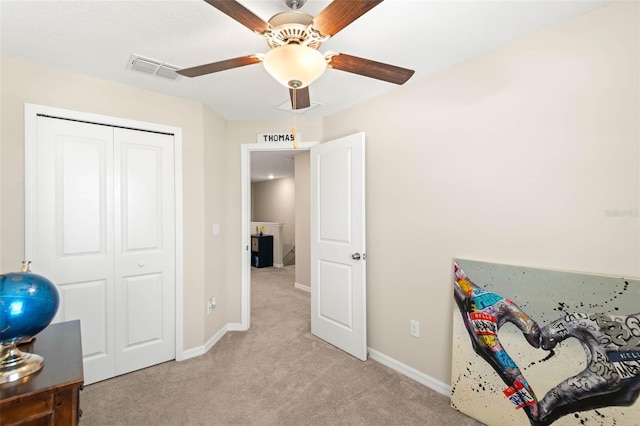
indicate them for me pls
(415, 328)
(211, 305)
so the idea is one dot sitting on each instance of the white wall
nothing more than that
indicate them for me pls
(303, 218)
(513, 157)
(274, 201)
(216, 256)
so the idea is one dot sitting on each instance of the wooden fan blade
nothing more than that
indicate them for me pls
(240, 13)
(301, 99)
(369, 68)
(341, 13)
(218, 66)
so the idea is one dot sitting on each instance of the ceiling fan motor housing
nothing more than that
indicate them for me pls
(292, 28)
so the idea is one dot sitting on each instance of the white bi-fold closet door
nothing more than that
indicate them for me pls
(104, 233)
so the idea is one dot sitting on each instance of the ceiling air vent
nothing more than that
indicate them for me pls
(153, 66)
(286, 106)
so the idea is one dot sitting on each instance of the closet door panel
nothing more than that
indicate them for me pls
(143, 326)
(145, 249)
(87, 301)
(74, 231)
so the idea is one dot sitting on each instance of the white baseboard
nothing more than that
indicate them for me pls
(191, 353)
(278, 265)
(201, 350)
(302, 287)
(235, 326)
(215, 338)
(411, 372)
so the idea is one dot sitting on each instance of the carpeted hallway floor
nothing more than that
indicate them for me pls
(276, 373)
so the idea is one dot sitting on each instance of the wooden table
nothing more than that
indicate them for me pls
(50, 396)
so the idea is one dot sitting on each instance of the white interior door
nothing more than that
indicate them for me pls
(74, 231)
(144, 249)
(104, 233)
(338, 259)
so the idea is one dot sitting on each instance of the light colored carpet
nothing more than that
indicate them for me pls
(276, 373)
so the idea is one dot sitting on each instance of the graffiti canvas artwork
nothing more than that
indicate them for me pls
(540, 347)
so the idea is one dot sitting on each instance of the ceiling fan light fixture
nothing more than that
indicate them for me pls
(294, 65)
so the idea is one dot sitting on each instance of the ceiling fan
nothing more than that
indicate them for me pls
(294, 38)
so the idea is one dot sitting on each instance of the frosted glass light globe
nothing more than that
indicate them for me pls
(293, 65)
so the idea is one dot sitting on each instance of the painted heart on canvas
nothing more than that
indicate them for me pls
(533, 346)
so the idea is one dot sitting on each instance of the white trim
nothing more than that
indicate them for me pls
(30, 140)
(234, 326)
(30, 135)
(302, 287)
(245, 196)
(278, 265)
(192, 353)
(179, 311)
(410, 372)
(216, 338)
(201, 350)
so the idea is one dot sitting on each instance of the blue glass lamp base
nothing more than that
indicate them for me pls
(15, 364)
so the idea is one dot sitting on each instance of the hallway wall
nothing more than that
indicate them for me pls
(274, 201)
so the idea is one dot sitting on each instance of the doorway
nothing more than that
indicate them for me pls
(245, 264)
(337, 237)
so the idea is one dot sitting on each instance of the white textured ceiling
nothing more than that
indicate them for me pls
(97, 38)
(267, 165)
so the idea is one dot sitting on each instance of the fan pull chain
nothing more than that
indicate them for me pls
(295, 139)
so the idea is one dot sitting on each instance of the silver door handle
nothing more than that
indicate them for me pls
(355, 256)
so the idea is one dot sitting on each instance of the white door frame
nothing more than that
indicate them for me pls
(31, 111)
(245, 173)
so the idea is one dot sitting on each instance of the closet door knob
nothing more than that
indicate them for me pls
(141, 264)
